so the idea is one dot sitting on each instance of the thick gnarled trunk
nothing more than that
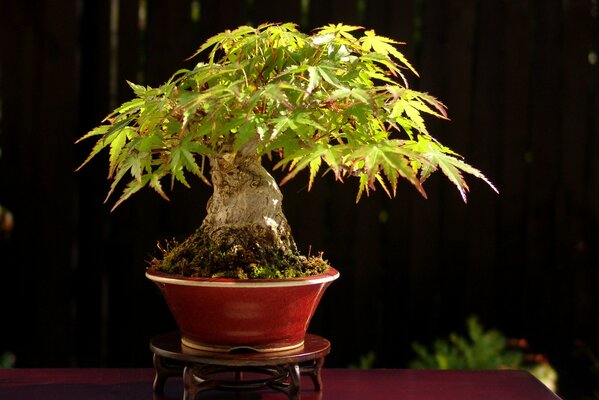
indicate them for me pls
(246, 206)
(245, 234)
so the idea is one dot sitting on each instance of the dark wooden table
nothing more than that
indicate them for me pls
(339, 384)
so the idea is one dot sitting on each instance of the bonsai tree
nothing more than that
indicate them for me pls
(335, 101)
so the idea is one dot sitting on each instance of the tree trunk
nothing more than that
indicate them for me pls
(246, 206)
(245, 234)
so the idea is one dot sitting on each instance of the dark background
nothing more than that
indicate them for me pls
(520, 78)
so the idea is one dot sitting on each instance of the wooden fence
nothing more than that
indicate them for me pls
(520, 78)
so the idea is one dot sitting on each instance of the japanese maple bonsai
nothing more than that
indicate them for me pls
(334, 101)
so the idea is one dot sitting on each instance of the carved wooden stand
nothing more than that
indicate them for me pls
(202, 370)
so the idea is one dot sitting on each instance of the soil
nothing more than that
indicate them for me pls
(246, 257)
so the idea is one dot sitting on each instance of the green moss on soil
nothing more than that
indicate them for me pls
(198, 256)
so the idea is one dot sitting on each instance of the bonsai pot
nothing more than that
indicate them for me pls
(217, 314)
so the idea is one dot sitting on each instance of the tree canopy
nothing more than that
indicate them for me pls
(336, 100)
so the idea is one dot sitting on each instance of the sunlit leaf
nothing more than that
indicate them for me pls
(314, 79)
(115, 150)
(314, 167)
(132, 188)
(157, 186)
(385, 46)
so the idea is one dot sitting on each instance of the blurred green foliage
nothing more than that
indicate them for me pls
(482, 349)
(7, 360)
(366, 361)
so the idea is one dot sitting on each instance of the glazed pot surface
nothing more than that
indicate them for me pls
(229, 314)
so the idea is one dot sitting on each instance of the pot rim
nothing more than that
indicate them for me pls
(160, 277)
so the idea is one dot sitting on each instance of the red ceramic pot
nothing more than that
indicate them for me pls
(226, 314)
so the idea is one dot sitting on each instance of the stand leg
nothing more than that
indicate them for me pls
(294, 382)
(313, 371)
(163, 370)
(193, 383)
(159, 378)
(288, 382)
(189, 389)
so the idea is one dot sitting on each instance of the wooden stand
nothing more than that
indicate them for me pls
(203, 370)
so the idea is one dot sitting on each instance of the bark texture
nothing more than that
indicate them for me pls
(246, 206)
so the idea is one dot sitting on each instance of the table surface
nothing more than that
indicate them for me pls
(346, 384)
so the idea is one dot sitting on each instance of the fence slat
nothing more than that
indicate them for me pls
(485, 132)
(546, 120)
(424, 257)
(91, 322)
(129, 65)
(572, 222)
(513, 177)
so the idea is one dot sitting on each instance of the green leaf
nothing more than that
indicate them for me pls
(108, 132)
(115, 150)
(314, 167)
(451, 166)
(133, 187)
(384, 46)
(245, 132)
(301, 159)
(222, 39)
(139, 90)
(397, 165)
(314, 79)
(371, 58)
(419, 101)
(274, 92)
(414, 115)
(381, 182)
(389, 157)
(157, 186)
(341, 93)
(424, 99)
(130, 106)
(100, 130)
(333, 159)
(307, 120)
(339, 29)
(363, 186)
(361, 95)
(189, 163)
(328, 74)
(176, 168)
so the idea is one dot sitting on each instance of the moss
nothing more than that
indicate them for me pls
(244, 258)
